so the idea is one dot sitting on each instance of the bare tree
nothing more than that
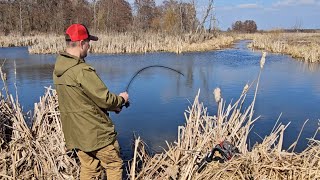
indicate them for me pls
(193, 4)
(213, 23)
(205, 16)
(171, 20)
(237, 26)
(114, 15)
(20, 16)
(94, 14)
(298, 25)
(177, 17)
(250, 26)
(145, 13)
(181, 14)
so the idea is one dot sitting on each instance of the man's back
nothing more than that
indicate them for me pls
(85, 125)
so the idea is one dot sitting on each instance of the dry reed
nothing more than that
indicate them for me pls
(233, 122)
(115, 43)
(38, 152)
(304, 46)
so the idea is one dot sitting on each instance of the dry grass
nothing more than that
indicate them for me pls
(36, 152)
(233, 122)
(13, 41)
(304, 46)
(125, 43)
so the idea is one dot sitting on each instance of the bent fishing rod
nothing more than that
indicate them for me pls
(143, 69)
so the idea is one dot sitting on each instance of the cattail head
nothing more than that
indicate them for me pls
(4, 78)
(263, 59)
(217, 94)
(245, 89)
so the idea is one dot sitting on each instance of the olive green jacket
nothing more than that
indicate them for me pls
(83, 98)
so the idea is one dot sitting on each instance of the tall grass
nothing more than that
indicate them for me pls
(303, 46)
(36, 152)
(14, 41)
(126, 43)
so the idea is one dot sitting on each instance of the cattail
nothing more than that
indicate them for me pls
(245, 89)
(4, 78)
(217, 94)
(263, 59)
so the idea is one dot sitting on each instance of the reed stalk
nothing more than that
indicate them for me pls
(36, 152)
(115, 43)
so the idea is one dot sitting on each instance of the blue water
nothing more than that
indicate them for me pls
(159, 97)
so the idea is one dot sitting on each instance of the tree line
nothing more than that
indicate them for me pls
(248, 26)
(53, 16)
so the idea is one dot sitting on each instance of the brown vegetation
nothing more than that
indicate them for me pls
(36, 152)
(266, 160)
(28, 17)
(125, 43)
(39, 16)
(304, 46)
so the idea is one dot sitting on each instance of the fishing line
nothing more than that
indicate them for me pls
(143, 69)
(138, 72)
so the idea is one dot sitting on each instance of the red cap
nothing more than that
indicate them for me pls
(78, 32)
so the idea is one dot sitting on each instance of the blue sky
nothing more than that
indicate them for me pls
(268, 14)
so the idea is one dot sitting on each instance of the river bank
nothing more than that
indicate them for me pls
(118, 43)
(302, 46)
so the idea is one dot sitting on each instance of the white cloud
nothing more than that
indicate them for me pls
(272, 9)
(307, 2)
(158, 2)
(247, 6)
(240, 6)
(296, 2)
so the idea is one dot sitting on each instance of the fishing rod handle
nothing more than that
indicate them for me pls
(127, 104)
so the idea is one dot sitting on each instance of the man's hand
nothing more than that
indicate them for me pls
(125, 96)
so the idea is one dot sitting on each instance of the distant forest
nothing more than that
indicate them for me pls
(53, 16)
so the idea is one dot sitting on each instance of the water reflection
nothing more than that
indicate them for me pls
(312, 67)
(160, 97)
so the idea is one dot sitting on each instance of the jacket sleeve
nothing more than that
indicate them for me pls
(96, 90)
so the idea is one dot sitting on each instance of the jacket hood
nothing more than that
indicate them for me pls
(64, 62)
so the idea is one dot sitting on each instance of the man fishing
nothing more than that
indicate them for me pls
(83, 101)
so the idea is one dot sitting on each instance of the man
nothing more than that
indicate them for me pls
(83, 101)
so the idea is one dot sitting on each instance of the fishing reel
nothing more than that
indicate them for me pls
(216, 154)
(221, 153)
(127, 104)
